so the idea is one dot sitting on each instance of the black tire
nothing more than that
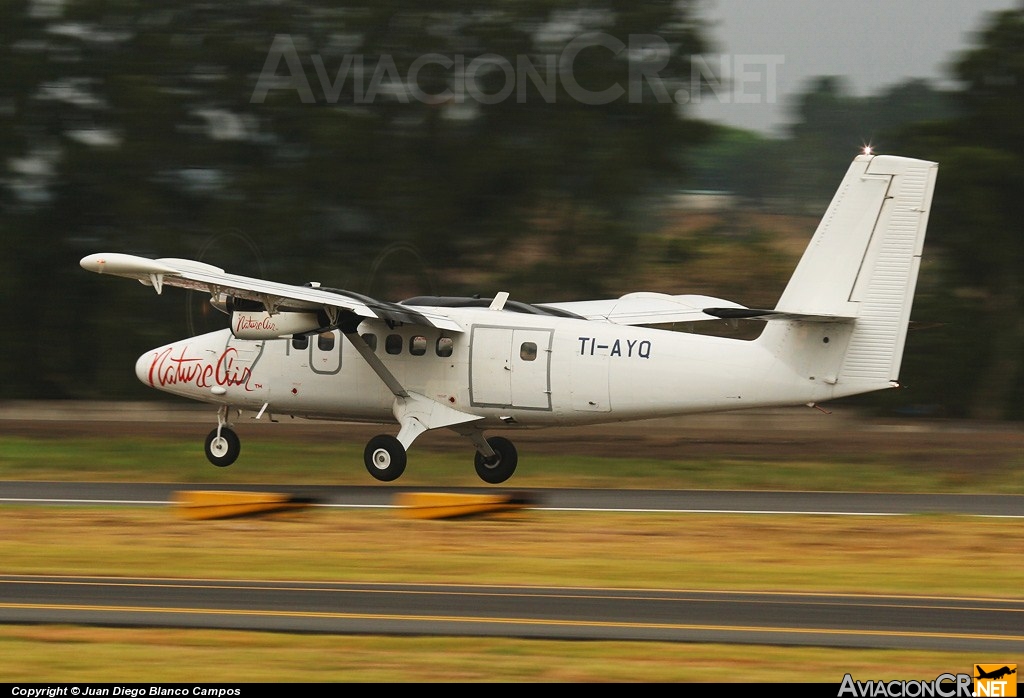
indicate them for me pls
(222, 452)
(385, 458)
(499, 467)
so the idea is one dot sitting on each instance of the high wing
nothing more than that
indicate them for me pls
(646, 308)
(185, 273)
(642, 308)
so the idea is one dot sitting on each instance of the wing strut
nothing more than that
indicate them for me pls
(415, 413)
(349, 326)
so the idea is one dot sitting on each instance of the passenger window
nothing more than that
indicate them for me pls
(418, 345)
(528, 352)
(445, 346)
(371, 340)
(393, 344)
(300, 341)
(325, 341)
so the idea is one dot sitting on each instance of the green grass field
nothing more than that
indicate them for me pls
(853, 465)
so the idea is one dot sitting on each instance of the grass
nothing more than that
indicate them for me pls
(921, 555)
(339, 462)
(82, 655)
(197, 657)
(937, 555)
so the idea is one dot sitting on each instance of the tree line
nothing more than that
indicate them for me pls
(395, 149)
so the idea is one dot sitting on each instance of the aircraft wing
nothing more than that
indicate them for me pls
(185, 273)
(659, 308)
(647, 308)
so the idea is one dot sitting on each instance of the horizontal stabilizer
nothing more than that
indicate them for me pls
(758, 314)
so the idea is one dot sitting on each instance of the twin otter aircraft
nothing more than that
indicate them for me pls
(471, 365)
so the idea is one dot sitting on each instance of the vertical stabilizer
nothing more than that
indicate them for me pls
(863, 262)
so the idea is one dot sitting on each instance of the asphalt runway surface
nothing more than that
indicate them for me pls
(565, 613)
(682, 501)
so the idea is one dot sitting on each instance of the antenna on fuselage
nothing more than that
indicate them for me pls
(499, 301)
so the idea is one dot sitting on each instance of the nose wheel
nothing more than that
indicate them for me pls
(385, 458)
(222, 448)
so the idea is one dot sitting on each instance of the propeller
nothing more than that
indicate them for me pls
(219, 303)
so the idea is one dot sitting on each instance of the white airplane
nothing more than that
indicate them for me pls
(473, 365)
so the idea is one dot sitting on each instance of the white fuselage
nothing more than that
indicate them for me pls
(513, 369)
(838, 329)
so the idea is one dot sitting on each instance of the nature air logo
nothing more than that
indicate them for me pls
(995, 680)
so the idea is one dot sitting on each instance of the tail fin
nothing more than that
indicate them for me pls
(862, 263)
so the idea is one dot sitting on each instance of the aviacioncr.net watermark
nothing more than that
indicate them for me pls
(492, 78)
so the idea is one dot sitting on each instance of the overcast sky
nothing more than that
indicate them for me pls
(873, 43)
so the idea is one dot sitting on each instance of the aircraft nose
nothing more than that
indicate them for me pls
(142, 366)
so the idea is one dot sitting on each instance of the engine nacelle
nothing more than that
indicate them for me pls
(259, 324)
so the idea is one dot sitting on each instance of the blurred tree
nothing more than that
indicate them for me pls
(797, 172)
(758, 169)
(976, 220)
(299, 140)
(831, 125)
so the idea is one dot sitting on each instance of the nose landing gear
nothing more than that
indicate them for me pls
(222, 447)
(222, 444)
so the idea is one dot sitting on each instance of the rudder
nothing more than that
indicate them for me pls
(886, 284)
(863, 263)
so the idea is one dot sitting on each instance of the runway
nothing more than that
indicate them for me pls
(682, 501)
(522, 612)
(839, 620)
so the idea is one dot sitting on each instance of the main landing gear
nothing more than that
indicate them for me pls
(496, 458)
(499, 467)
(385, 457)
